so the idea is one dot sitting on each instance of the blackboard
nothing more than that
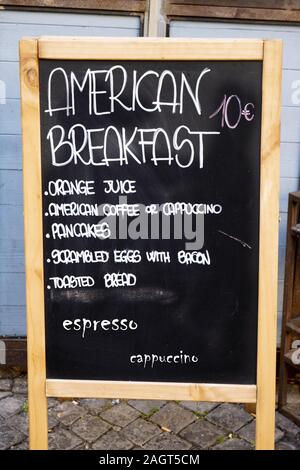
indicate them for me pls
(188, 317)
(176, 321)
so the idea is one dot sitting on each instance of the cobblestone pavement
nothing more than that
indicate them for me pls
(134, 424)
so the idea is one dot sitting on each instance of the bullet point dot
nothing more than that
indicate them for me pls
(46, 214)
(49, 287)
(48, 260)
(46, 193)
(47, 235)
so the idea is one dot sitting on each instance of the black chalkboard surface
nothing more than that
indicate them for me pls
(134, 136)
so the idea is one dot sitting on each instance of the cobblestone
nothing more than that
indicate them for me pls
(5, 394)
(90, 428)
(140, 431)
(11, 405)
(233, 444)
(248, 433)
(202, 433)
(20, 385)
(62, 439)
(173, 417)
(201, 407)
(288, 444)
(9, 437)
(112, 440)
(5, 385)
(289, 428)
(67, 412)
(120, 415)
(167, 441)
(95, 405)
(134, 424)
(229, 416)
(24, 445)
(147, 406)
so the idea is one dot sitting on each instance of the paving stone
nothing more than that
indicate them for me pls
(20, 422)
(233, 444)
(288, 427)
(231, 417)
(52, 421)
(95, 405)
(147, 406)
(52, 402)
(67, 412)
(62, 439)
(199, 406)
(116, 428)
(167, 441)
(5, 385)
(20, 385)
(85, 446)
(5, 394)
(22, 446)
(112, 440)
(90, 428)
(140, 431)
(9, 437)
(288, 444)
(11, 405)
(202, 433)
(120, 415)
(248, 432)
(173, 417)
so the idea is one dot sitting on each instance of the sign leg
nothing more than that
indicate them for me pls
(38, 415)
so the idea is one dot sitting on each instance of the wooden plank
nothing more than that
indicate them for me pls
(12, 289)
(90, 48)
(11, 258)
(11, 222)
(270, 4)
(150, 390)
(13, 320)
(137, 6)
(153, 18)
(10, 117)
(12, 33)
(233, 13)
(289, 159)
(68, 19)
(287, 185)
(208, 29)
(11, 152)
(38, 412)
(11, 188)
(268, 257)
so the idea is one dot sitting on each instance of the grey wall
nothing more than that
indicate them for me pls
(290, 127)
(13, 26)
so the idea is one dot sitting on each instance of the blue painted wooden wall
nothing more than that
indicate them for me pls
(13, 26)
(16, 24)
(290, 126)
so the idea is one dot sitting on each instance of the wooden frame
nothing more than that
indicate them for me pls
(263, 393)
